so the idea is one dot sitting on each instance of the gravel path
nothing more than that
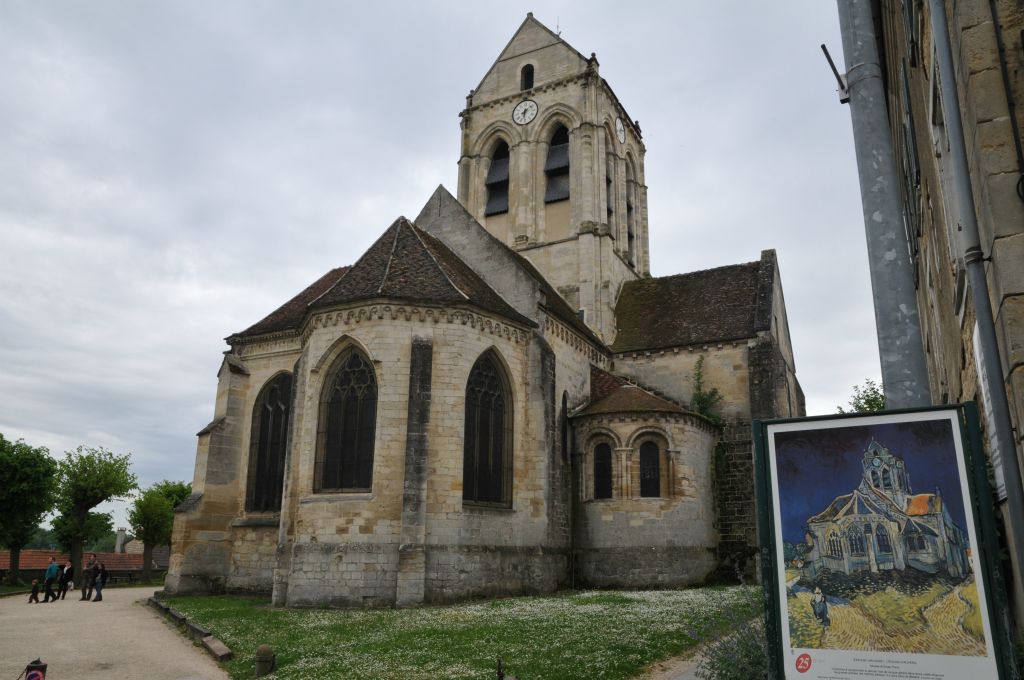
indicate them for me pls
(115, 638)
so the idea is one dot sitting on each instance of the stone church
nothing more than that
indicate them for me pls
(494, 398)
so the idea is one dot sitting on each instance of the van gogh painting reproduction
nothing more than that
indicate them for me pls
(876, 540)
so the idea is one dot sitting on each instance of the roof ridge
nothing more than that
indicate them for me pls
(352, 266)
(697, 271)
(391, 256)
(415, 231)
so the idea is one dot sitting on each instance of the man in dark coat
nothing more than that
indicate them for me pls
(89, 577)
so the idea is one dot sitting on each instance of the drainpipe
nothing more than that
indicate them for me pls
(970, 246)
(904, 372)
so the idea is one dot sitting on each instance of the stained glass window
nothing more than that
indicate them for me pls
(487, 455)
(603, 471)
(650, 470)
(348, 416)
(267, 445)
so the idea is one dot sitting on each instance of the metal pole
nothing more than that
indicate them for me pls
(970, 245)
(904, 372)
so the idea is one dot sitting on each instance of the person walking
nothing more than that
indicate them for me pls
(66, 579)
(34, 597)
(100, 581)
(49, 578)
(88, 577)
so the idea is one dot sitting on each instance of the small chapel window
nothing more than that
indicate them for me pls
(603, 471)
(556, 168)
(267, 444)
(497, 182)
(650, 470)
(882, 536)
(915, 541)
(348, 416)
(487, 446)
(526, 77)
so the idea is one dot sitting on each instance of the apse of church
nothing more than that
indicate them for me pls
(493, 399)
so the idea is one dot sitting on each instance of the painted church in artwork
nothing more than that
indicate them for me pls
(495, 398)
(882, 525)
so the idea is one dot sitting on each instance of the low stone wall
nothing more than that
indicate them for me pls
(645, 567)
(460, 572)
(343, 574)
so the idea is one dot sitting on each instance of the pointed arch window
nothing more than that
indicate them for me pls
(603, 471)
(487, 445)
(345, 433)
(650, 470)
(856, 541)
(835, 545)
(526, 77)
(497, 181)
(556, 168)
(630, 215)
(876, 481)
(886, 478)
(882, 536)
(915, 541)
(267, 445)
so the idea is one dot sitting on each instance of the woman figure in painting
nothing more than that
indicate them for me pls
(820, 606)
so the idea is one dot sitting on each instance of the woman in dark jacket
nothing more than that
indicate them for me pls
(66, 579)
(101, 580)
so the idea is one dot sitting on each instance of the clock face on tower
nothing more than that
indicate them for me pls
(620, 131)
(524, 112)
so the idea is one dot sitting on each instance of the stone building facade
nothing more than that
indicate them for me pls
(494, 398)
(988, 61)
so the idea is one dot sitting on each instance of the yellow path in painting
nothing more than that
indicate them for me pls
(941, 630)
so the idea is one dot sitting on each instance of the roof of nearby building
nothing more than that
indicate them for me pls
(33, 560)
(290, 315)
(713, 305)
(924, 504)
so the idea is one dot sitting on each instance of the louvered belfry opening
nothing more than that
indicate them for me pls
(526, 77)
(497, 181)
(345, 434)
(487, 446)
(650, 470)
(603, 471)
(267, 445)
(556, 168)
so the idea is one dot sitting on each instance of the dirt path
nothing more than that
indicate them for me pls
(115, 638)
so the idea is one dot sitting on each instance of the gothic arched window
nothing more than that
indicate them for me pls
(345, 432)
(875, 479)
(915, 541)
(497, 181)
(487, 447)
(650, 470)
(602, 471)
(526, 77)
(886, 478)
(882, 536)
(556, 168)
(835, 545)
(267, 444)
(856, 540)
(630, 214)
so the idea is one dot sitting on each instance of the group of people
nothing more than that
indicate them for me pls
(93, 579)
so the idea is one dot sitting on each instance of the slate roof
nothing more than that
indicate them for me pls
(851, 504)
(406, 264)
(714, 305)
(290, 315)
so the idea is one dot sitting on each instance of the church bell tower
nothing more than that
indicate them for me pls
(553, 166)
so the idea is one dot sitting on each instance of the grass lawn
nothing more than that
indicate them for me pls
(594, 634)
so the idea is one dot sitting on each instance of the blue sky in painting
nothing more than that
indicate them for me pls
(815, 466)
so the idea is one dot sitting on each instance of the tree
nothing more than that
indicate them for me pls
(87, 478)
(866, 399)
(96, 527)
(152, 517)
(27, 485)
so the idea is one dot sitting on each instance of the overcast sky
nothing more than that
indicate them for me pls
(172, 172)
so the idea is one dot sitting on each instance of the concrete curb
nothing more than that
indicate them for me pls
(214, 647)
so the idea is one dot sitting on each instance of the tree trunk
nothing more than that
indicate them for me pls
(76, 553)
(12, 573)
(147, 559)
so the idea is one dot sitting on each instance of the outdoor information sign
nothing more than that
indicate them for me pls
(875, 550)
